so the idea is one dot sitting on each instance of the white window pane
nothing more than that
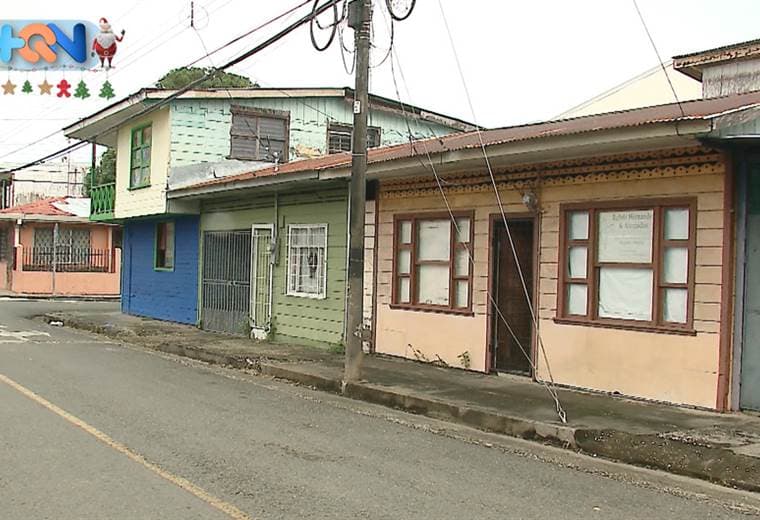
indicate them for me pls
(625, 293)
(677, 224)
(676, 266)
(404, 261)
(578, 224)
(405, 229)
(577, 261)
(433, 284)
(577, 298)
(674, 305)
(433, 240)
(462, 263)
(404, 290)
(463, 224)
(626, 236)
(462, 294)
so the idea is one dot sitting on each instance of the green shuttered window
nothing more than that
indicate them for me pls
(139, 170)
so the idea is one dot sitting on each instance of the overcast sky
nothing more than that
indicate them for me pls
(523, 61)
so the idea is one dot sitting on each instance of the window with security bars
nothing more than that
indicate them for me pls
(339, 138)
(259, 135)
(5, 245)
(70, 247)
(307, 260)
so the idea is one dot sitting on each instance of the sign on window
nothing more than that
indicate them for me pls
(626, 236)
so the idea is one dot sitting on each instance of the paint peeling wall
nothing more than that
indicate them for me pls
(668, 367)
(200, 128)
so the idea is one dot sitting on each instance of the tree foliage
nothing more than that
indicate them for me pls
(183, 76)
(105, 171)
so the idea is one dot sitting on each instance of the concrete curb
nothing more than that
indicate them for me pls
(719, 465)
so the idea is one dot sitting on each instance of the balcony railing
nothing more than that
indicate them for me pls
(102, 201)
(67, 259)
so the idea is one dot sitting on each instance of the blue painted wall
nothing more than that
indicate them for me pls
(164, 295)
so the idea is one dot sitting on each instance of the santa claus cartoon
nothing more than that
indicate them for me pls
(104, 44)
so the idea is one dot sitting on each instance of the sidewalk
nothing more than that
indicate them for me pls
(722, 448)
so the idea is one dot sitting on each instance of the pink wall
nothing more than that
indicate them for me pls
(69, 284)
(66, 284)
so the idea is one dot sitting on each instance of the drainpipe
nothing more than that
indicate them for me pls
(55, 252)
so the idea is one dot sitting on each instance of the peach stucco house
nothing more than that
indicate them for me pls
(50, 247)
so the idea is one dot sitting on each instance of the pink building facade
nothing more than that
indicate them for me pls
(50, 248)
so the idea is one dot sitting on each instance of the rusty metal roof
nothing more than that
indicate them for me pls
(705, 109)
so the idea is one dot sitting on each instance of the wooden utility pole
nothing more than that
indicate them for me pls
(359, 19)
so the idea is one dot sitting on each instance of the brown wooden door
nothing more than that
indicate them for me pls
(509, 296)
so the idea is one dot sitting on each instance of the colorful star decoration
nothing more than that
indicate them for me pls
(9, 88)
(45, 87)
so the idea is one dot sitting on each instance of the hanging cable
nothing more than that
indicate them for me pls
(403, 14)
(659, 59)
(231, 63)
(500, 204)
(332, 27)
(491, 300)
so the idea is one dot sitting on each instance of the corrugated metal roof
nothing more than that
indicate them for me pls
(703, 109)
(52, 207)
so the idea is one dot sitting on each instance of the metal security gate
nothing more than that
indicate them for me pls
(261, 280)
(226, 281)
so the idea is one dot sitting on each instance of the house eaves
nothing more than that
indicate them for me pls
(649, 127)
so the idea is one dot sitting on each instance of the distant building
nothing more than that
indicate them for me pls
(647, 89)
(50, 247)
(60, 178)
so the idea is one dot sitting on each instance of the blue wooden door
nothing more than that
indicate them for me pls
(750, 377)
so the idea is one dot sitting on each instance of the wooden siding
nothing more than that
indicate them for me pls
(296, 319)
(201, 127)
(150, 200)
(669, 367)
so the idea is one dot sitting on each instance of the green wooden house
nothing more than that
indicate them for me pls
(216, 233)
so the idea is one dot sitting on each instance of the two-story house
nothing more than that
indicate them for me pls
(267, 257)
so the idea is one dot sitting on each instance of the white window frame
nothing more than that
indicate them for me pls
(323, 293)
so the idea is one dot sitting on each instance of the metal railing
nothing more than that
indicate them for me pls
(102, 200)
(67, 260)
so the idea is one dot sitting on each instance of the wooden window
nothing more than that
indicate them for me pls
(339, 137)
(307, 260)
(164, 250)
(139, 170)
(259, 135)
(628, 264)
(431, 265)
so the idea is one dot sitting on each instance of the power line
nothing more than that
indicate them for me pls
(659, 59)
(560, 411)
(258, 48)
(440, 185)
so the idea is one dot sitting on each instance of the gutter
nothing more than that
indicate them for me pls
(536, 149)
(268, 180)
(43, 218)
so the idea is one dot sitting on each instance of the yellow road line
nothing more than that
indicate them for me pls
(183, 483)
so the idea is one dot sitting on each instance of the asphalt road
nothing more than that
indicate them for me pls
(95, 429)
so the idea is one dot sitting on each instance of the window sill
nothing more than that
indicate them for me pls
(307, 295)
(164, 269)
(432, 308)
(140, 187)
(656, 329)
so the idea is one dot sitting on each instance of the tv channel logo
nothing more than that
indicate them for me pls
(47, 44)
